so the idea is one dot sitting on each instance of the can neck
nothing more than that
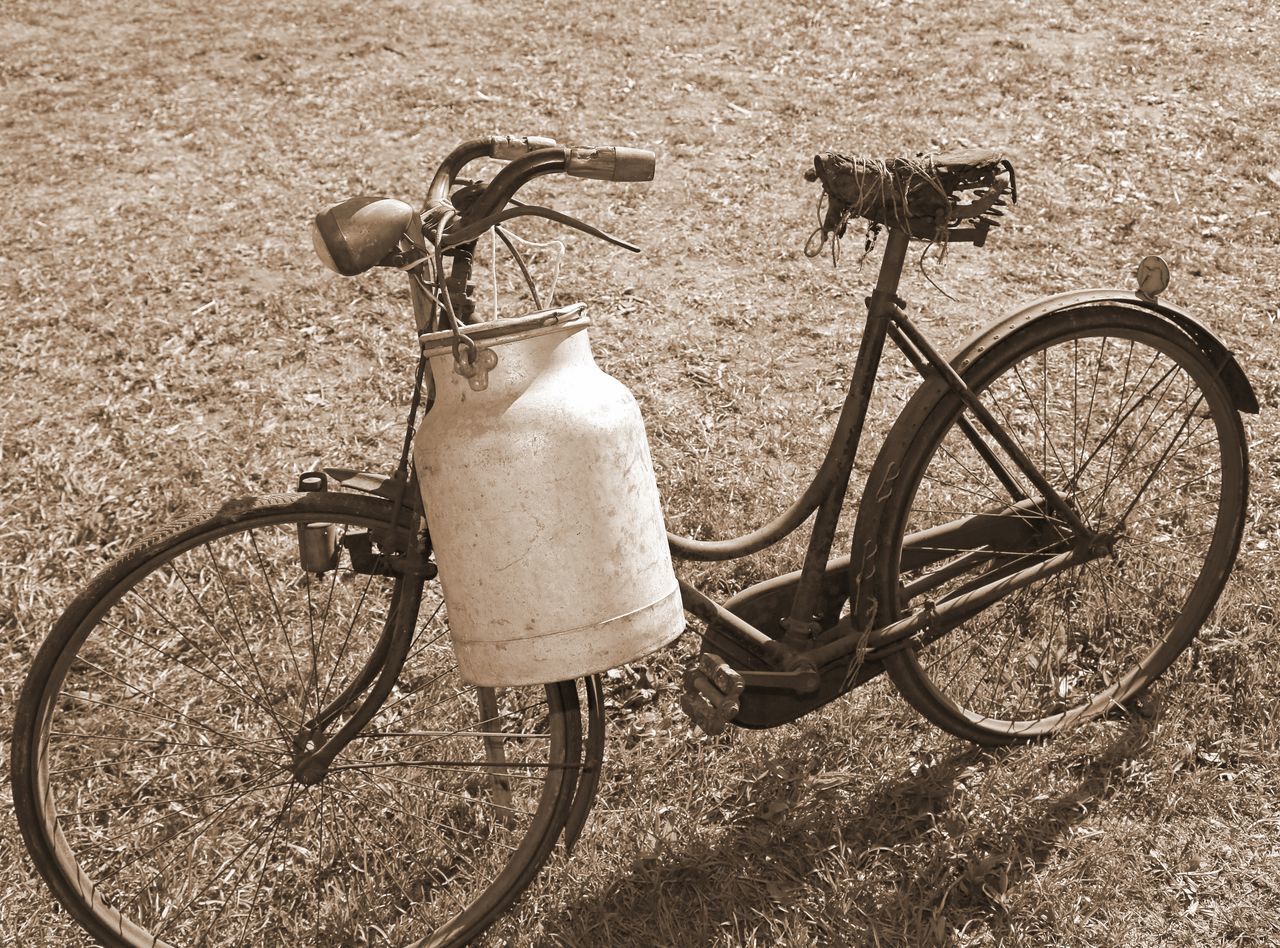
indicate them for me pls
(513, 365)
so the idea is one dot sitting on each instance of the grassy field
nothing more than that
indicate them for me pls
(168, 339)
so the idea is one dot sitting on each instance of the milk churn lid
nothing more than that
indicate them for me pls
(499, 331)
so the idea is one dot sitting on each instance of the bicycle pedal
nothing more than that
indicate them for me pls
(703, 714)
(711, 690)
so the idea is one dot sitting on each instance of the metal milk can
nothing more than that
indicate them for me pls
(542, 505)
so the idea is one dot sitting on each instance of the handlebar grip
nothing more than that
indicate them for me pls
(511, 147)
(611, 163)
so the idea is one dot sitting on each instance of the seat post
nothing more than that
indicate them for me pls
(895, 256)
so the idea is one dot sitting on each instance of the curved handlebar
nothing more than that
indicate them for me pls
(531, 156)
(502, 147)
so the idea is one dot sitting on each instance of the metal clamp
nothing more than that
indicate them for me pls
(476, 365)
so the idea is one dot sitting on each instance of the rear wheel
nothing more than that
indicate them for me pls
(1130, 423)
(157, 739)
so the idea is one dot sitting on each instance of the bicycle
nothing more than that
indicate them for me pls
(250, 727)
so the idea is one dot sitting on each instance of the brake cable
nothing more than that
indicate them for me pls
(474, 230)
(433, 295)
(518, 257)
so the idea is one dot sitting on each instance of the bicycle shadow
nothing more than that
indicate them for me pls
(903, 865)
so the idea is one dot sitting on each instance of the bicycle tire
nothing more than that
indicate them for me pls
(155, 732)
(1130, 422)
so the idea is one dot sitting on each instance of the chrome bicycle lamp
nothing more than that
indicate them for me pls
(357, 234)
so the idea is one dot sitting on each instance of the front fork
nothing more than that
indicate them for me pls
(319, 551)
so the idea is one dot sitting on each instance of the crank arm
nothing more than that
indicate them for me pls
(804, 681)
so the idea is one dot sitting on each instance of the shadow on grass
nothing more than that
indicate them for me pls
(918, 862)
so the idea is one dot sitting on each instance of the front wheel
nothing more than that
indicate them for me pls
(157, 739)
(1130, 423)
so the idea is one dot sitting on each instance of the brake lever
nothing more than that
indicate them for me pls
(473, 231)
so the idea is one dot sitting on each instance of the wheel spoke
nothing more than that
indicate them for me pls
(168, 720)
(244, 638)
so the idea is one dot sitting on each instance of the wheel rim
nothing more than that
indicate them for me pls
(1132, 428)
(167, 730)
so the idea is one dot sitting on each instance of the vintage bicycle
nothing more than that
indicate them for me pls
(251, 727)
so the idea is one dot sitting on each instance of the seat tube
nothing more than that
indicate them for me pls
(800, 624)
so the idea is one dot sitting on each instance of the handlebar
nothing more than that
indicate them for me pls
(502, 147)
(529, 157)
(360, 233)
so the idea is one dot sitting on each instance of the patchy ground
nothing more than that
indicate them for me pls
(168, 339)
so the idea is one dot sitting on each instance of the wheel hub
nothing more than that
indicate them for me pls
(309, 766)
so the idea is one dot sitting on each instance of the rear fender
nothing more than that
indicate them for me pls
(1215, 350)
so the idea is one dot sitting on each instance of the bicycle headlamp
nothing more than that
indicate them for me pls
(355, 235)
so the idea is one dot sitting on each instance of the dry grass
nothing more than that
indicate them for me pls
(169, 339)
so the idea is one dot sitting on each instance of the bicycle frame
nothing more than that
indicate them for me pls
(800, 661)
(785, 638)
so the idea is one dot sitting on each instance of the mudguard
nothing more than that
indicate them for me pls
(934, 387)
(1232, 375)
(593, 756)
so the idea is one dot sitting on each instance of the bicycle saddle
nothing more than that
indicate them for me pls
(925, 195)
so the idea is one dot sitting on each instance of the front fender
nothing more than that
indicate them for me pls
(380, 485)
(1233, 377)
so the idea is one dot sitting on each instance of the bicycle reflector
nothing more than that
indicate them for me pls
(355, 235)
